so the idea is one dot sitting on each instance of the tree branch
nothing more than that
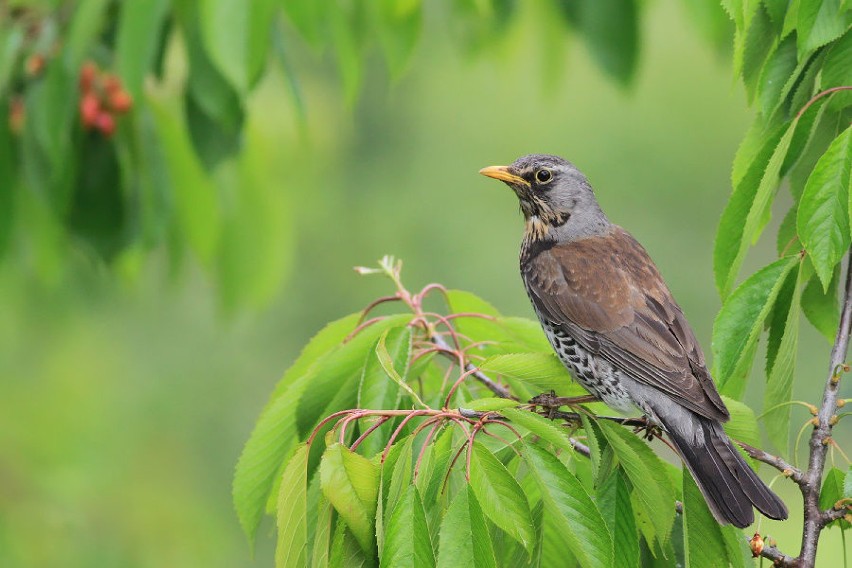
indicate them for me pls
(814, 517)
(494, 387)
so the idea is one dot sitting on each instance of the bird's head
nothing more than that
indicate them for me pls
(555, 197)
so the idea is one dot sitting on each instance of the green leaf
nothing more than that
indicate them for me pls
(464, 537)
(779, 381)
(821, 307)
(704, 545)
(740, 321)
(334, 383)
(87, 22)
(773, 77)
(351, 483)
(540, 426)
(401, 477)
(490, 404)
(819, 22)
(788, 241)
(399, 24)
(292, 546)
(195, 196)
(824, 210)
(407, 535)
(833, 490)
(140, 24)
(323, 534)
(579, 520)
(611, 32)
(377, 391)
(837, 71)
(742, 215)
(308, 17)
(541, 371)
(613, 498)
(654, 492)
(501, 497)
(743, 425)
(387, 363)
(236, 35)
(759, 41)
(345, 550)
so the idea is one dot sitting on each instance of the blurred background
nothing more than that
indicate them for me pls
(128, 387)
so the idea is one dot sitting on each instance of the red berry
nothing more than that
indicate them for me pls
(120, 101)
(88, 74)
(90, 109)
(105, 123)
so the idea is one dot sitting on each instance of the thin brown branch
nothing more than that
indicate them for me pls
(777, 557)
(494, 387)
(785, 468)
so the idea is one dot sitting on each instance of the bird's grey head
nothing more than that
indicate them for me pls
(556, 199)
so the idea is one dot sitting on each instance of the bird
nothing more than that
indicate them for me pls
(615, 325)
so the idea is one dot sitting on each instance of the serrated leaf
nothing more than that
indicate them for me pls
(759, 40)
(743, 424)
(751, 176)
(323, 534)
(821, 307)
(833, 490)
(292, 547)
(613, 498)
(787, 240)
(407, 535)
(541, 371)
(500, 496)
(837, 71)
(275, 434)
(819, 22)
(345, 550)
(740, 321)
(464, 537)
(334, 385)
(402, 469)
(351, 483)
(654, 491)
(389, 366)
(824, 209)
(704, 545)
(540, 426)
(578, 518)
(773, 76)
(779, 381)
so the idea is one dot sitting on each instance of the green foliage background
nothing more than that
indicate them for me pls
(128, 387)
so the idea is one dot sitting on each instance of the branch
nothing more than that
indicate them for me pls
(494, 387)
(788, 470)
(814, 518)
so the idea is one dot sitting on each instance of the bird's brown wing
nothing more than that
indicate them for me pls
(607, 293)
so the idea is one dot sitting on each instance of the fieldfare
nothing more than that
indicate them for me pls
(614, 324)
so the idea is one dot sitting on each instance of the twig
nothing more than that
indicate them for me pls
(788, 470)
(497, 389)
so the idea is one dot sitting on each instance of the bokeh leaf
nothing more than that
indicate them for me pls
(140, 24)
(611, 31)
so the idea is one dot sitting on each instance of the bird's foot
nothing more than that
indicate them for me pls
(550, 403)
(648, 430)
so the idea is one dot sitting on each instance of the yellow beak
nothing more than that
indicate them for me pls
(503, 173)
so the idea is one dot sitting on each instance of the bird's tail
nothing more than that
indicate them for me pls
(729, 485)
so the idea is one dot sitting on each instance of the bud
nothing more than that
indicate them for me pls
(756, 545)
(16, 115)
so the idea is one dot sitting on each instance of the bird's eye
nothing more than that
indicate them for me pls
(543, 176)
